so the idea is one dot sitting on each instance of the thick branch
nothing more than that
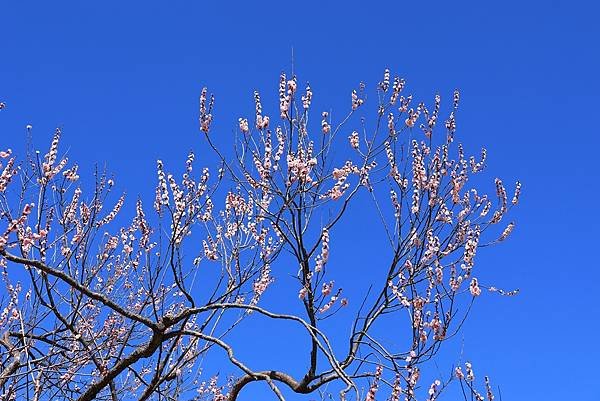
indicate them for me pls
(79, 287)
(15, 363)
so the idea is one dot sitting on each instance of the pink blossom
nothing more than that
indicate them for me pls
(474, 288)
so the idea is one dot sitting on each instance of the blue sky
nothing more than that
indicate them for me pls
(123, 79)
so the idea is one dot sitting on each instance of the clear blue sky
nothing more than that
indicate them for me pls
(123, 79)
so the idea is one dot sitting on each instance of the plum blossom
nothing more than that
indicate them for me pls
(474, 287)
